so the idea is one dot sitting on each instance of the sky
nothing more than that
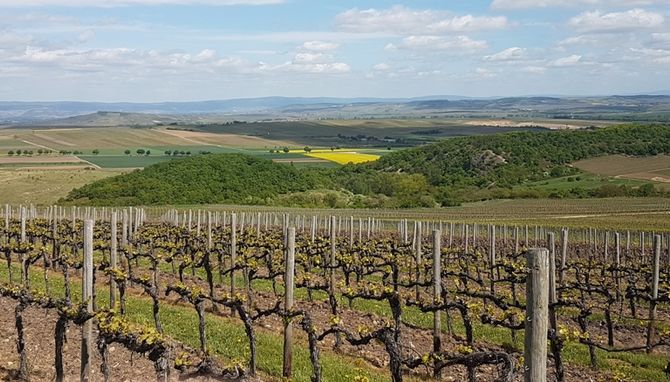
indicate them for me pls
(188, 50)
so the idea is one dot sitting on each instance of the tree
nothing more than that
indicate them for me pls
(95, 152)
(127, 152)
(18, 152)
(168, 152)
(188, 153)
(148, 152)
(10, 153)
(140, 151)
(182, 153)
(39, 151)
(307, 149)
(286, 150)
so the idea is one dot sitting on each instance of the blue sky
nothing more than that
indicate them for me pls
(178, 50)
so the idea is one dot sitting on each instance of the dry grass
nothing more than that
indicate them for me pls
(655, 169)
(92, 138)
(223, 140)
(44, 186)
(39, 159)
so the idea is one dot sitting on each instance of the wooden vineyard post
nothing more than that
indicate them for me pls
(553, 299)
(351, 232)
(465, 240)
(312, 238)
(617, 259)
(209, 230)
(124, 229)
(233, 251)
(564, 255)
(437, 293)
(418, 259)
(7, 217)
(87, 298)
(113, 262)
(654, 291)
(492, 255)
(516, 239)
(537, 302)
(333, 251)
(24, 276)
(288, 302)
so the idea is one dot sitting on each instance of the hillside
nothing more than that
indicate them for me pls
(445, 173)
(213, 178)
(507, 160)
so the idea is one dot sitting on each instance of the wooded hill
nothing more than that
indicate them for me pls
(444, 173)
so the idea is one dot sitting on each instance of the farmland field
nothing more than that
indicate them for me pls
(656, 168)
(344, 157)
(359, 133)
(44, 186)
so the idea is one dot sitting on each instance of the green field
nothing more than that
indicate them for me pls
(585, 181)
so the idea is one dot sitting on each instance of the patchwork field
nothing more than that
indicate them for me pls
(655, 169)
(225, 140)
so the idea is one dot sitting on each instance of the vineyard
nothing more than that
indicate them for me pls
(262, 296)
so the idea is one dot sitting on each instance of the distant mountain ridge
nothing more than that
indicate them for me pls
(343, 108)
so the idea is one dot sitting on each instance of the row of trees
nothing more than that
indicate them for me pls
(28, 152)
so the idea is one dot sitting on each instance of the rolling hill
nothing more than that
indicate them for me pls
(445, 173)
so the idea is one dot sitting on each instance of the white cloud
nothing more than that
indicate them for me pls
(468, 23)
(382, 67)
(314, 68)
(509, 54)
(658, 56)
(121, 3)
(319, 46)
(458, 44)
(521, 4)
(311, 58)
(534, 69)
(124, 59)
(402, 20)
(10, 39)
(631, 20)
(485, 73)
(661, 38)
(572, 60)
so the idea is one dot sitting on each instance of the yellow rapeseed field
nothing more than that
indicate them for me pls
(343, 157)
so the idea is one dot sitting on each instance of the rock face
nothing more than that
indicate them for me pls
(486, 160)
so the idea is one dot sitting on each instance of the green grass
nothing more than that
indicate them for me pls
(584, 181)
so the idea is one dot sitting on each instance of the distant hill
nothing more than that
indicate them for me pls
(627, 108)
